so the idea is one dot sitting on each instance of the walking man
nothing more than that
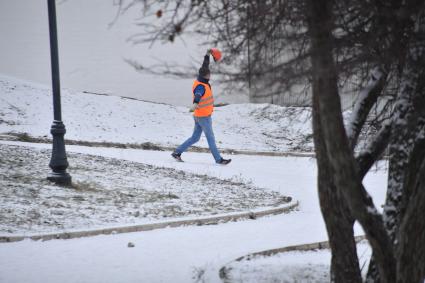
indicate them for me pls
(202, 108)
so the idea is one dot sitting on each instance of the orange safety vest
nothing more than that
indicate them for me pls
(206, 104)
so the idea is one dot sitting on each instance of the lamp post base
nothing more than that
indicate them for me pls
(59, 162)
(60, 178)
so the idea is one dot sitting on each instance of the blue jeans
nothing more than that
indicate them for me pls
(202, 124)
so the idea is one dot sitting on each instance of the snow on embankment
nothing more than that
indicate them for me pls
(27, 108)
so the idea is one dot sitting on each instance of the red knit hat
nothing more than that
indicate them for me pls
(216, 54)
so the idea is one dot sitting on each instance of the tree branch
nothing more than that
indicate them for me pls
(367, 98)
(374, 150)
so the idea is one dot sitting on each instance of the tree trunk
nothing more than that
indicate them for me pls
(411, 236)
(399, 151)
(339, 153)
(411, 223)
(406, 123)
(338, 219)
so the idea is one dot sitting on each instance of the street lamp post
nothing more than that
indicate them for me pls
(58, 162)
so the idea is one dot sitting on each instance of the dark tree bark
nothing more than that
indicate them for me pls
(409, 221)
(399, 151)
(407, 122)
(411, 236)
(337, 217)
(340, 155)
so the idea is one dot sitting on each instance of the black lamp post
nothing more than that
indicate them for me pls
(58, 162)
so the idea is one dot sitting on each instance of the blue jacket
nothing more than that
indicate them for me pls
(199, 90)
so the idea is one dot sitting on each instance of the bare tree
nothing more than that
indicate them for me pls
(390, 256)
(328, 45)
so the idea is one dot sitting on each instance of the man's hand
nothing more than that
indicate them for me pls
(193, 107)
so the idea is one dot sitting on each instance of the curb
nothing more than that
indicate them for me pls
(210, 220)
(224, 271)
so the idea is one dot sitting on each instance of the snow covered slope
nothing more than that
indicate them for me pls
(27, 108)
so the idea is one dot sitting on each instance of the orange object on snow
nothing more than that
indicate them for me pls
(216, 54)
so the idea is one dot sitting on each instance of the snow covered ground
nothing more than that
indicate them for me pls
(183, 254)
(110, 191)
(295, 266)
(27, 108)
(186, 253)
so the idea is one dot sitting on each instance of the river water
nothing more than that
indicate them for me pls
(91, 51)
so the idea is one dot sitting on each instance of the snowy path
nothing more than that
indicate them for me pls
(172, 255)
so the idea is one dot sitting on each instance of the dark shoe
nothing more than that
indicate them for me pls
(224, 161)
(177, 156)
